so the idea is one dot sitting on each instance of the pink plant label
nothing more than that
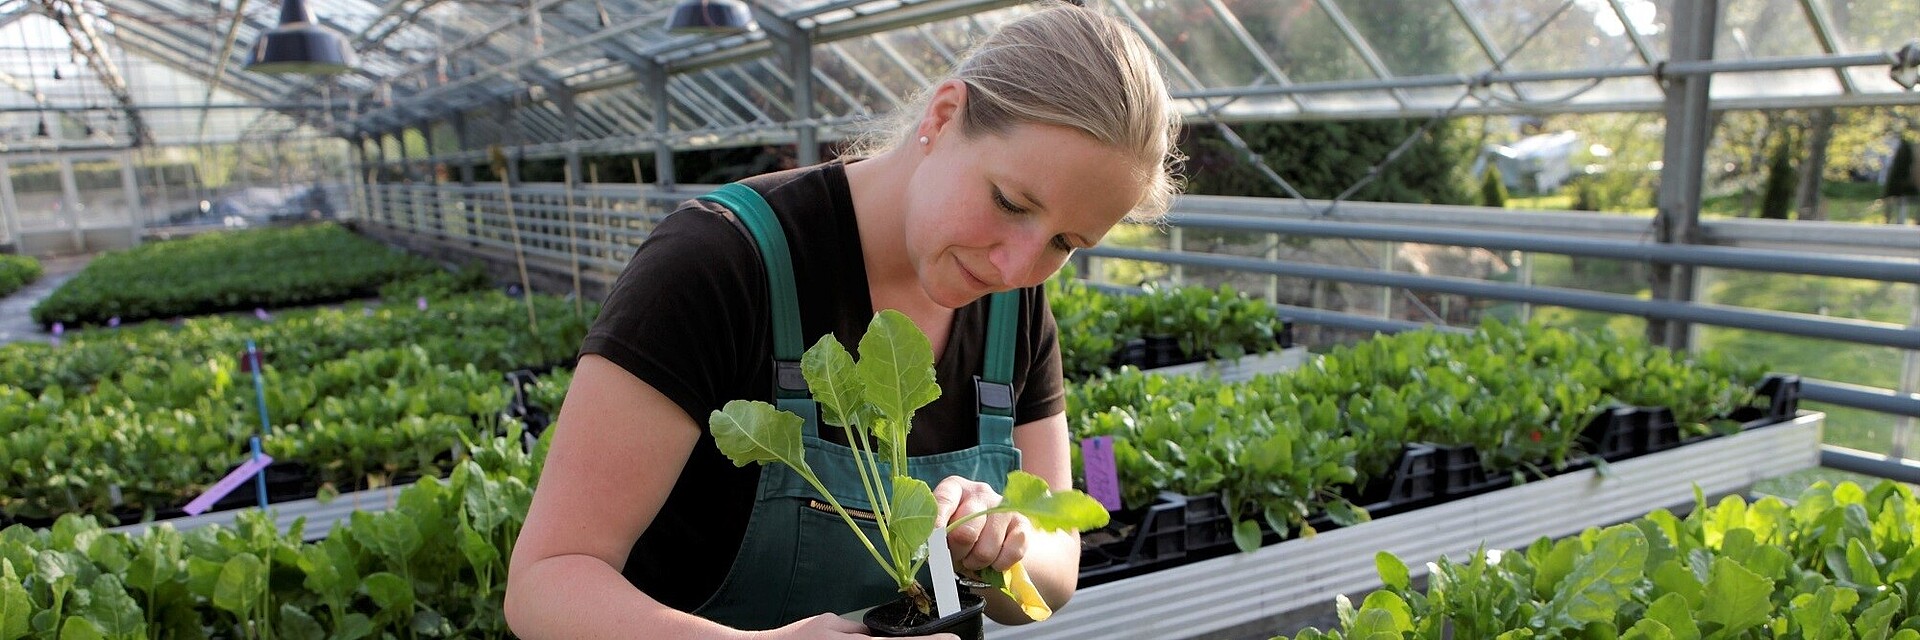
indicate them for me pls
(227, 485)
(421, 302)
(1103, 480)
(261, 314)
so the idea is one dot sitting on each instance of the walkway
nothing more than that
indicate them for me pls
(16, 311)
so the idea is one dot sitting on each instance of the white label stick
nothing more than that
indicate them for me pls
(946, 594)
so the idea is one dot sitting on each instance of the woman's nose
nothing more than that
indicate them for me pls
(1023, 260)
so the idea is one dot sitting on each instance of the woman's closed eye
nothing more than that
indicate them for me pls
(1058, 242)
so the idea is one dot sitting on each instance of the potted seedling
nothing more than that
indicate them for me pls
(873, 401)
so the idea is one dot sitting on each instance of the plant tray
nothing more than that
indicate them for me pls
(1252, 590)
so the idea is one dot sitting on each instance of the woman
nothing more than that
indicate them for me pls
(1044, 137)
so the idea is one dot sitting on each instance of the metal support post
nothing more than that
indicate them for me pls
(795, 46)
(130, 185)
(71, 201)
(1683, 162)
(654, 79)
(9, 208)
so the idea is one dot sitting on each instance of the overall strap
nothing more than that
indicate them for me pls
(994, 390)
(789, 387)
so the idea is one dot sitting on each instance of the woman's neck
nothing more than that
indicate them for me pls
(879, 188)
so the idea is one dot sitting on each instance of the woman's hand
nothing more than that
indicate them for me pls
(997, 540)
(829, 626)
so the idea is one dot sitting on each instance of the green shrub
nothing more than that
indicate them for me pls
(1323, 159)
(1493, 190)
(1900, 180)
(16, 272)
(1776, 200)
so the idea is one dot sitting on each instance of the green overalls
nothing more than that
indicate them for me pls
(798, 558)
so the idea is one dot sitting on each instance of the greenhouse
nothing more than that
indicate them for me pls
(1471, 319)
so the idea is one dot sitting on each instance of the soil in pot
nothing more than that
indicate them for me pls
(898, 619)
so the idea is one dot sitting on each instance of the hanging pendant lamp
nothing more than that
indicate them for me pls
(301, 45)
(710, 17)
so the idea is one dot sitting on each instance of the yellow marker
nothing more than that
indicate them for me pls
(1020, 586)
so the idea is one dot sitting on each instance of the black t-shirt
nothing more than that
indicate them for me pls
(690, 316)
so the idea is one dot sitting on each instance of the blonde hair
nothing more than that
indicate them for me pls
(1068, 66)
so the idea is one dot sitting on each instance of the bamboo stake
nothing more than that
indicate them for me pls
(513, 223)
(573, 242)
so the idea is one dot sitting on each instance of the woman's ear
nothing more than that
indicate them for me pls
(943, 109)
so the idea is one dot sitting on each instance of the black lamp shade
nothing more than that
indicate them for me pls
(301, 46)
(710, 17)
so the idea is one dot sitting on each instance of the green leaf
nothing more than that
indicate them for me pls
(1393, 572)
(1246, 535)
(750, 431)
(829, 371)
(355, 627)
(896, 366)
(1821, 615)
(1375, 624)
(1674, 615)
(479, 552)
(242, 579)
(1556, 566)
(78, 628)
(297, 625)
(1736, 599)
(1876, 623)
(1601, 582)
(1401, 616)
(389, 591)
(1048, 510)
(117, 614)
(910, 520)
(1861, 564)
(1648, 630)
(1673, 577)
(14, 603)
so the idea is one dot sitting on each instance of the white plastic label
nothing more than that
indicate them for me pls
(946, 594)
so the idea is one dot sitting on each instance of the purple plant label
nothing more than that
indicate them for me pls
(227, 485)
(59, 328)
(114, 322)
(422, 302)
(261, 314)
(1103, 480)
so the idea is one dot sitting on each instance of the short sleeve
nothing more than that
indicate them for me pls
(1044, 393)
(678, 316)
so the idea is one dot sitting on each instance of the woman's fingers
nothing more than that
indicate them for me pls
(997, 540)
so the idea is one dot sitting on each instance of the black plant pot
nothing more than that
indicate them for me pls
(898, 619)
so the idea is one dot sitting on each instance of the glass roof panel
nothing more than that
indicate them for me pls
(1764, 29)
(1193, 32)
(1303, 41)
(914, 49)
(1865, 26)
(844, 74)
(1415, 37)
(1587, 35)
(865, 52)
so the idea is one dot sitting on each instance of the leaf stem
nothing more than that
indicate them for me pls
(888, 566)
(863, 464)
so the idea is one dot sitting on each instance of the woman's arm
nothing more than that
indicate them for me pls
(621, 443)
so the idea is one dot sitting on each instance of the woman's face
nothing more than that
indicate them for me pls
(1003, 212)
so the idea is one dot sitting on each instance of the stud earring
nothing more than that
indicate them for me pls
(923, 139)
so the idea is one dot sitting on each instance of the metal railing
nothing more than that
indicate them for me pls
(600, 226)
